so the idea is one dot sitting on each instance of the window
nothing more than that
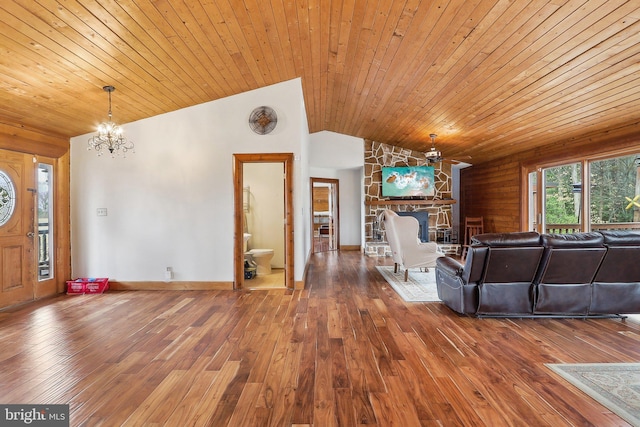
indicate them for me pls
(7, 198)
(614, 184)
(45, 221)
(563, 198)
(610, 199)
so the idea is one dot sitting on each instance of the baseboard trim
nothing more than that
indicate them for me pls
(170, 286)
(350, 248)
(180, 286)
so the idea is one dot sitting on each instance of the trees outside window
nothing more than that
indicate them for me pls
(612, 186)
(612, 181)
(563, 198)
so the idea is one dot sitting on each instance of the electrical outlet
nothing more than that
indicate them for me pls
(168, 273)
(101, 211)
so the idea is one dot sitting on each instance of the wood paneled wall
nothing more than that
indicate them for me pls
(24, 140)
(320, 198)
(494, 190)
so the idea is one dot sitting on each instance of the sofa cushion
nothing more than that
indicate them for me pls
(526, 238)
(570, 262)
(563, 299)
(481, 243)
(615, 298)
(575, 240)
(621, 238)
(512, 265)
(506, 284)
(620, 265)
(570, 265)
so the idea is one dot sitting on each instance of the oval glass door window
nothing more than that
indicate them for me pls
(7, 198)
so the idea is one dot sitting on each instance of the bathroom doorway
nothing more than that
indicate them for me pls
(325, 220)
(253, 205)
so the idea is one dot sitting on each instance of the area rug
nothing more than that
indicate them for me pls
(615, 385)
(420, 287)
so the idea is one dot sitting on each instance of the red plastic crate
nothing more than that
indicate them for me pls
(87, 285)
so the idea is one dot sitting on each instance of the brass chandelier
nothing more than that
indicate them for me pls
(110, 136)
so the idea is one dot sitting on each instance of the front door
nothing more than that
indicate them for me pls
(17, 256)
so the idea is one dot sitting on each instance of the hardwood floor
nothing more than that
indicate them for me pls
(345, 351)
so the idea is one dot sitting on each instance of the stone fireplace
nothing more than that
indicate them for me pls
(437, 210)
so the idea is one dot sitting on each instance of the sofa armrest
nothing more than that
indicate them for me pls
(452, 289)
(449, 266)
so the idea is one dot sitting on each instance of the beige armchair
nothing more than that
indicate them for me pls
(406, 249)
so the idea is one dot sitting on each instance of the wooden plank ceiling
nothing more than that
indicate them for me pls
(490, 77)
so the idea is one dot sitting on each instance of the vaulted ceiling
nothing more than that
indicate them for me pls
(490, 77)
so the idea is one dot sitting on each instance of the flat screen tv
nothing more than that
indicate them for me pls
(408, 181)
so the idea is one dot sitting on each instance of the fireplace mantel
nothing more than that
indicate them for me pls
(409, 202)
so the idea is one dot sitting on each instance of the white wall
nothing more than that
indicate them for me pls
(171, 203)
(302, 192)
(351, 206)
(341, 157)
(330, 150)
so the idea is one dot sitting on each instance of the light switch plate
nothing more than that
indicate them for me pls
(101, 211)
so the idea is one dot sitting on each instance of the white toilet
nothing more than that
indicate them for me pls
(262, 258)
(245, 241)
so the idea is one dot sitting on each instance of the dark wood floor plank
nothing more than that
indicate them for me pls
(346, 410)
(271, 384)
(304, 396)
(339, 373)
(182, 411)
(202, 413)
(280, 393)
(374, 340)
(421, 391)
(345, 351)
(323, 408)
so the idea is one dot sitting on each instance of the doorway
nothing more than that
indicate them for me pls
(242, 197)
(555, 199)
(17, 233)
(325, 219)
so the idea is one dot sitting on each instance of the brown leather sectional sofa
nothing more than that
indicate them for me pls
(528, 274)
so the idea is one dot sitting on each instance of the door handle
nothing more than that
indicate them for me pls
(30, 234)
